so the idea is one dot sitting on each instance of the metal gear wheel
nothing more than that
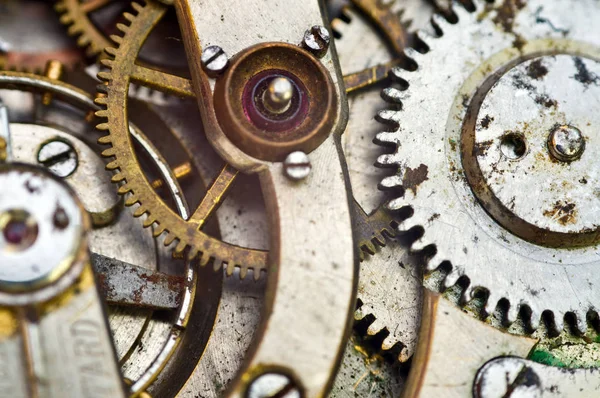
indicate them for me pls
(495, 140)
(389, 292)
(188, 233)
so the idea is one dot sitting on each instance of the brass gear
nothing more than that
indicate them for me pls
(188, 233)
(76, 15)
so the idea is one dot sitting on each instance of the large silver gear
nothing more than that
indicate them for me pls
(510, 70)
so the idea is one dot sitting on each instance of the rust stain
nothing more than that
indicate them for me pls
(414, 177)
(563, 212)
(505, 16)
(481, 148)
(486, 121)
(536, 70)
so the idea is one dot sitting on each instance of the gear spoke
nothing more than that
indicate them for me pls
(162, 81)
(214, 196)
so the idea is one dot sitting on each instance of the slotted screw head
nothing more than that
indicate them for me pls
(214, 60)
(316, 40)
(297, 166)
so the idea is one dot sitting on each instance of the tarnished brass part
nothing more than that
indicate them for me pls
(369, 76)
(274, 146)
(392, 31)
(76, 14)
(3, 147)
(372, 230)
(188, 233)
(54, 70)
(182, 171)
(388, 23)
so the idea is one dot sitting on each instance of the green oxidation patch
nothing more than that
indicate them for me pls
(546, 358)
(573, 353)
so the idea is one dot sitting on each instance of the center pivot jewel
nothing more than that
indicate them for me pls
(275, 98)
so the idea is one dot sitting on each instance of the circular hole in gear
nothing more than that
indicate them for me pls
(513, 146)
(19, 229)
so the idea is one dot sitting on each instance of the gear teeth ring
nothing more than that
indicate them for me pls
(410, 89)
(177, 233)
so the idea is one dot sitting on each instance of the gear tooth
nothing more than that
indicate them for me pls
(103, 127)
(137, 7)
(393, 95)
(117, 177)
(122, 27)
(180, 247)
(104, 76)
(158, 230)
(451, 278)
(491, 303)
(581, 322)
(559, 321)
(170, 239)
(128, 16)
(425, 36)
(109, 152)
(513, 312)
(140, 211)
(413, 54)
(114, 165)
(400, 75)
(60, 7)
(123, 189)
(243, 272)
(390, 183)
(460, 10)
(468, 293)
(387, 138)
(111, 50)
(375, 327)
(105, 140)
(107, 63)
(149, 221)
(102, 113)
(388, 118)
(131, 200)
(397, 204)
(404, 355)
(440, 22)
(387, 160)
(102, 101)
(205, 259)
(535, 318)
(192, 253)
(82, 41)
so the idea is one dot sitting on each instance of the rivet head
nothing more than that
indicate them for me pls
(566, 143)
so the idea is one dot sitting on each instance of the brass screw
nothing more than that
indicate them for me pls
(54, 70)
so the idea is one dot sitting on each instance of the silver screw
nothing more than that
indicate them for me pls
(271, 385)
(297, 166)
(214, 60)
(566, 143)
(277, 98)
(59, 157)
(316, 40)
